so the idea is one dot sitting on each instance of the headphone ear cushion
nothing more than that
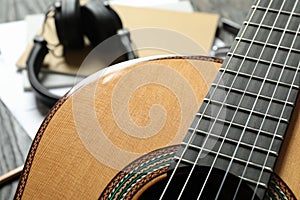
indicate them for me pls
(67, 22)
(99, 21)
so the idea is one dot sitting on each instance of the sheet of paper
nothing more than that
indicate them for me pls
(22, 104)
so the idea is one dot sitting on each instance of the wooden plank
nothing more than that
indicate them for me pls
(14, 145)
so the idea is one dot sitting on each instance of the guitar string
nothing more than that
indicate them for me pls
(239, 104)
(263, 122)
(233, 117)
(294, 79)
(274, 55)
(269, 150)
(194, 131)
(223, 140)
(267, 111)
(272, 141)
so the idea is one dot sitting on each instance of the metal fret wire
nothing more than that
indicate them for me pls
(193, 133)
(283, 11)
(236, 125)
(269, 44)
(253, 94)
(281, 111)
(281, 39)
(275, 28)
(267, 79)
(244, 110)
(242, 134)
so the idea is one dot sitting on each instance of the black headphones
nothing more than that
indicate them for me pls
(96, 20)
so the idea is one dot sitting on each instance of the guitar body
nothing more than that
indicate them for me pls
(127, 121)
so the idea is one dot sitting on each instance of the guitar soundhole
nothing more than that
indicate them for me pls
(195, 184)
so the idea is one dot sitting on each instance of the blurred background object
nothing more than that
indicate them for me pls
(12, 10)
(235, 10)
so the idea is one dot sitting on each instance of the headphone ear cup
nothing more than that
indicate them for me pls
(99, 21)
(67, 22)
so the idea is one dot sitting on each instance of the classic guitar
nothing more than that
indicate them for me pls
(135, 130)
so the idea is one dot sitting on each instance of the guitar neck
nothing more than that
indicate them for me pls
(243, 120)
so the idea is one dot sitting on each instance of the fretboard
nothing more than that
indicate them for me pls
(244, 117)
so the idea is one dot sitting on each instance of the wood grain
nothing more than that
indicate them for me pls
(72, 159)
(14, 145)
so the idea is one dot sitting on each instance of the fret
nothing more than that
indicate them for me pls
(233, 141)
(253, 50)
(243, 109)
(288, 5)
(252, 171)
(187, 161)
(259, 35)
(284, 10)
(237, 165)
(281, 93)
(255, 182)
(242, 161)
(276, 4)
(257, 42)
(254, 94)
(247, 101)
(266, 17)
(259, 70)
(269, 79)
(227, 123)
(191, 155)
(268, 53)
(271, 27)
(233, 132)
(263, 61)
(240, 118)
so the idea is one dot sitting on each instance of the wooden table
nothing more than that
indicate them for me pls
(14, 145)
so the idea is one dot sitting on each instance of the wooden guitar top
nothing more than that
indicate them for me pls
(119, 114)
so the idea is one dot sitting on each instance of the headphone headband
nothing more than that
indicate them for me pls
(34, 63)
